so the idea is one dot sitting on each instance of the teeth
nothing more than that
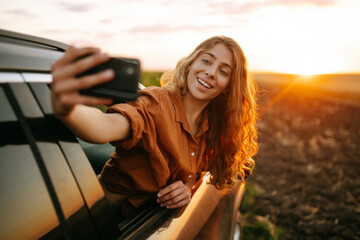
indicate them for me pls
(204, 83)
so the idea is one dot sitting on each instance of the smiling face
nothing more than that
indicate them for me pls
(210, 73)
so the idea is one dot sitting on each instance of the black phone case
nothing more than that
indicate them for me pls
(124, 86)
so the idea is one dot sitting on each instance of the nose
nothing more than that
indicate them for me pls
(210, 71)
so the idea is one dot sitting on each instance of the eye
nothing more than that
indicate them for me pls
(206, 61)
(223, 72)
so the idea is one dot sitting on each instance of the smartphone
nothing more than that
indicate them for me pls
(124, 86)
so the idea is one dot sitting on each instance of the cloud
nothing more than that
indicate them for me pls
(75, 7)
(107, 20)
(318, 3)
(232, 7)
(107, 35)
(63, 31)
(22, 12)
(162, 28)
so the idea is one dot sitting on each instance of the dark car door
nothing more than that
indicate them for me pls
(48, 188)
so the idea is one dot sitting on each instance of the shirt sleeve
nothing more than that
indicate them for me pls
(142, 115)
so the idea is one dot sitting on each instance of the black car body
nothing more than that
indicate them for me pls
(48, 183)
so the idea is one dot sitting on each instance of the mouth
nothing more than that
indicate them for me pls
(205, 84)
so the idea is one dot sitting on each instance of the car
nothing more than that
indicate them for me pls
(48, 178)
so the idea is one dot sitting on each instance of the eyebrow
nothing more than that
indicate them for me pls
(213, 56)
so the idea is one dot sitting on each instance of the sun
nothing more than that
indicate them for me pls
(304, 64)
(307, 62)
(306, 77)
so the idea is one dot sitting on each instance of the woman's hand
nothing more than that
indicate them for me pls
(66, 85)
(174, 196)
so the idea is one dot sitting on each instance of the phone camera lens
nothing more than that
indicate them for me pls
(130, 70)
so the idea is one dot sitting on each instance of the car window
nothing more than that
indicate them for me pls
(26, 207)
(64, 192)
(76, 159)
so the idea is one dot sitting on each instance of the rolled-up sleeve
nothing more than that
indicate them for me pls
(142, 115)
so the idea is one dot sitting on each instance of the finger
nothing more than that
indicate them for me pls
(80, 66)
(179, 204)
(169, 188)
(84, 82)
(185, 195)
(171, 195)
(87, 63)
(88, 100)
(73, 53)
(76, 98)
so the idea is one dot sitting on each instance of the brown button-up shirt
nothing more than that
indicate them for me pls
(161, 149)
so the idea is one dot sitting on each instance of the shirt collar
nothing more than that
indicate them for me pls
(180, 115)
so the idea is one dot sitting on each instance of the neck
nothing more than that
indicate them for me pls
(193, 110)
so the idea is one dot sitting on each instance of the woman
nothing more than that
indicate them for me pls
(202, 120)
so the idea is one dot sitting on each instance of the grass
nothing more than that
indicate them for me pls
(254, 226)
(150, 78)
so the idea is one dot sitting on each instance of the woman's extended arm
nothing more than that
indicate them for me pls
(88, 123)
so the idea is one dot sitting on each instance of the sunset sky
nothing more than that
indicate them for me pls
(286, 36)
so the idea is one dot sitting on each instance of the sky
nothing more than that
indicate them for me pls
(283, 36)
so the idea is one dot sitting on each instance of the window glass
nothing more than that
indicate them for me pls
(76, 158)
(81, 169)
(59, 172)
(25, 205)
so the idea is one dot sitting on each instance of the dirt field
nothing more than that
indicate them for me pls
(308, 166)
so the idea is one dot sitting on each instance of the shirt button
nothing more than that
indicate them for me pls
(192, 154)
(190, 176)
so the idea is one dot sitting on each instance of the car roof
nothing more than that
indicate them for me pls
(22, 52)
